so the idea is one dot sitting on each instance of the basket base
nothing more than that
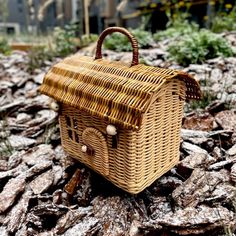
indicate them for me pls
(135, 189)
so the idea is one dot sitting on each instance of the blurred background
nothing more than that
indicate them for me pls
(198, 197)
(57, 28)
(92, 16)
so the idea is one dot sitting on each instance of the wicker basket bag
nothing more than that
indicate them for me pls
(122, 121)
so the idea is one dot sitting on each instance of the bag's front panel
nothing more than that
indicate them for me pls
(114, 157)
(82, 139)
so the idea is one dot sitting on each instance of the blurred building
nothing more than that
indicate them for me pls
(32, 15)
(94, 15)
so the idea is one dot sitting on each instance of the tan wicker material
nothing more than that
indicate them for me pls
(144, 103)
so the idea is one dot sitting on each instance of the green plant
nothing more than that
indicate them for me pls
(224, 22)
(87, 39)
(206, 99)
(6, 148)
(50, 131)
(119, 42)
(177, 28)
(38, 56)
(64, 40)
(228, 231)
(4, 47)
(198, 47)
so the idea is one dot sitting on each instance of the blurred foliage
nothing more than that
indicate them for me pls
(4, 47)
(120, 43)
(63, 43)
(67, 42)
(64, 40)
(206, 99)
(38, 56)
(6, 148)
(224, 21)
(177, 28)
(87, 39)
(199, 46)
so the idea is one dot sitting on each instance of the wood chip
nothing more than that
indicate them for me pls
(219, 165)
(233, 173)
(38, 154)
(196, 121)
(18, 142)
(11, 106)
(191, 148)
(83, 228)
(38, 168)
(14, 172)
(18, 213)
(72, 184)
(45, 215)
(196, 160)
(10, 192)
(232, 150)
(199, 186)
(71, 218)
(194, 136)
(42, 182)
(15, 159)
(227, 120)
(198, 220)
(223, 192)
(112, 213)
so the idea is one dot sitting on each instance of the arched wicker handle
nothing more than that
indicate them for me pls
(111, 30)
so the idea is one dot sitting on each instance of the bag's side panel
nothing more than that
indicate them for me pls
(154, 149)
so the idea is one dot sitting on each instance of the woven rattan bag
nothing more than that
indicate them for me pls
(122, 121)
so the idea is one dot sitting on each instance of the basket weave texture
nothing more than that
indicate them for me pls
(144, 103)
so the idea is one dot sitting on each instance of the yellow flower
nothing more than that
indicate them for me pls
(212, 3)
(205, 18)
(153, 5)
(228, 6)
(188, 4)
(181, 3)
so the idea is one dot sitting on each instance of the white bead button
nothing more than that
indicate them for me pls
(84, 148)
(54, 106)
(111, 130)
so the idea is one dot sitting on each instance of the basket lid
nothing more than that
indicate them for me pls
(111, 90)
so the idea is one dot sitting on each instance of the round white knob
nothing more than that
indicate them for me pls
(84, 148)
(54, 106)
(111, 130)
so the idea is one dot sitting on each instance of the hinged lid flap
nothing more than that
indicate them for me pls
(111, 90)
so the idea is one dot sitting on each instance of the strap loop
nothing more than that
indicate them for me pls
(131, 38)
